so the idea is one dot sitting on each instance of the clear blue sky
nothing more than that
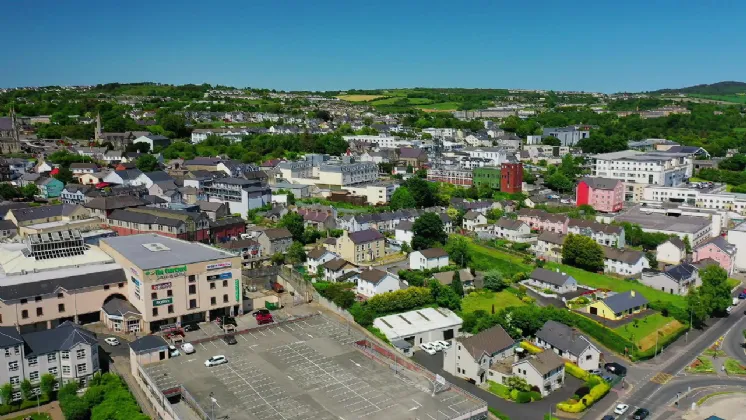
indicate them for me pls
(324, 45)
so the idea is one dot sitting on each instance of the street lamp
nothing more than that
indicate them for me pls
(214, 401)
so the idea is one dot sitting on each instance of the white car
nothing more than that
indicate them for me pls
(621, 409)
(436, 345)
(216, 360)
(187, 348)
(443, 344)
(729, 309)
(428, 348)
(112, 341)
(173, 351)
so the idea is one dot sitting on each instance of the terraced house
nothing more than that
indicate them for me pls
(190, 226)
(603, 234)
(543, 221)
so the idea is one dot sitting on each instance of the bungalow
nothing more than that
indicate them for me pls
(549, 246)
(373, 282)
(428, 259)
(403, 232)
(603, 234)
(467, 279)
(618, 306)
(719, 250)
(317, 258)
(673, 251)
(555, 281)
(471, 357)
(675, 280)
(513, 230)
(567, 343)
(626, 262)
(472, 219)
(338, 269)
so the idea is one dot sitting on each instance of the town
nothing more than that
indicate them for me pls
(406, 253)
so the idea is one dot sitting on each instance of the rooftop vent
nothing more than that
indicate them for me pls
(156, 247)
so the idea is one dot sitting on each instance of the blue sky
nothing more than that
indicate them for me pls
(325, 45)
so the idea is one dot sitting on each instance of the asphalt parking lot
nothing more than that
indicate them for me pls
(306, 369)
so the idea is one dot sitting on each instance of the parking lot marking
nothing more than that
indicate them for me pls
(244, 338)
(203, 346)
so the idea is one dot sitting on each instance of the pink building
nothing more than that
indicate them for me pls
(719, 250)
(603, 194)
(543, 221)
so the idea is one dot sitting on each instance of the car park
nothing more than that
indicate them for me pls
(230, 339)
(621, 409)
(641, 414)
(187, 348)
(607, 417)
(173, 351)
(428, 348)
(216, 360)
(616, 369)
(112, 341)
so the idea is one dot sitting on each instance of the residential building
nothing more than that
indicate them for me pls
(549, 246)
(673, 251)
(545, 370)
(361, 246)
(240, 194)
(213, 210)
(275, 241)
(513, 230)
(568, 136)
(373, 282)
(719, 250)
(602, 233)
(625, 262)
(189, 226)
(737, 236)
(618, 306)
(468, 280)
(495, 155)
(153, 141)
(249, 250)
(414, 157)
(78, 168)
(428, 259)
(102, 207)
(603, 194)
(54, 218)
(420, 326)
(318, 218)
(471, 357)
(488, 175)
(674, 280)
(511, 174)
(557, 282)
(542, 221)
(473, 219)
(569, 344)
(74, 194)
(451, 175)
(339, 270)
(375, 193)
(404, 233)
(317, 258)
(50, 187)
(177, 282)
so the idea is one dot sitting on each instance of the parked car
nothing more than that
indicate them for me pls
(621, 409)
(216, 360)
(729, 309)
(230, 339)
(735, 301)
(263, 316)
(443, 344)
(436, 345)
(277, 287)
(187, 348)
(595, 372)
(742, 295)
(641, 414)
(173, 351)
(112, 341)
(616, 369)
(428, 348)
(608, 417)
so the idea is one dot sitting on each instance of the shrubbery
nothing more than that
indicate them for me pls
(107, 398)
(587, 397)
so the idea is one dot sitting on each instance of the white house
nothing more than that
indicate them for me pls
(545, 371)
(153, 141)
(555, 281)
(675, 280)
(603, 234)
(147, 179)
(373, 282)
(568, 344)
(126, 177)
(470, 358)
(513, 230)
(428, 259)
(626, 262)
(472, 219)
(403, 232)
(673, 251)
(420, 326)
(318, 257)
(338, 270)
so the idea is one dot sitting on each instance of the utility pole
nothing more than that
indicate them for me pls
(214, 401)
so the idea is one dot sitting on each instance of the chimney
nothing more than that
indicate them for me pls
(632, 293)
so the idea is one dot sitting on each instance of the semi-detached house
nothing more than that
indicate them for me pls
(471, 357)
(568, 344)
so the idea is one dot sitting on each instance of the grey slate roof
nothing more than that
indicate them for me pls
(471, 215)
(363, 236)
(434, 253)
(681, 272)
(563, 337)
(373, 275)
(114, 202)
(489, 341)
(9, 337)
(279, 233)
(545, 361)
(677, 242)
(336, 264)
(34, 213)
(596, 227)
(601, 183)
(209, 205)
(316, 253)
(721, 243)
(621, 302)
(509, 224)
(148, 343)
(627, 256)
(71, 282)
(551, 277)
(119, 306)
(143, 218)
(158, 176)
(552, 237)
(7, 225)
(128, 174)
(64, 337)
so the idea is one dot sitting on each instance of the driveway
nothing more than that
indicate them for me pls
(535, 410)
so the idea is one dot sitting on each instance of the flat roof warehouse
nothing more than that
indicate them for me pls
(416, 322)
(150, 251)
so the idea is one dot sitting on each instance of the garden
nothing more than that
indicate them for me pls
(643, 331)
(489, 301)
(594, 389)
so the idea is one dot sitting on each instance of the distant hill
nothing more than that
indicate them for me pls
(719, 88)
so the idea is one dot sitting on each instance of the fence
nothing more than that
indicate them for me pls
(326, 303)
(191, 402)
(156, 400)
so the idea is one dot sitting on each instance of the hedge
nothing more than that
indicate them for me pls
(596, 393)
(535, 396)
(523, 397)
(530, 347)
(10, 408)
(498, 414)
(576, 371)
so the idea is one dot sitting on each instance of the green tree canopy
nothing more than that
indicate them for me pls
(402, 199)
(582, 252)
(295, 254)
(294, 223)
(428, 232)
(458, 250)
(147, 163)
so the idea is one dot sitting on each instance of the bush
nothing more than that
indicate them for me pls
(498, 414)
(523, 397)
(514, 394)
(582, 392)
(578, 407)
(530, 347)
(535, 396)
(576, 371)
(32, 403)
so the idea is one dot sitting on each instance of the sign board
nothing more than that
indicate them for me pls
(161, 286)
(165, 301)
(238, 291)
(166, 273)
(132, 269)
(224, 264)
(221, 276)
(136, 281)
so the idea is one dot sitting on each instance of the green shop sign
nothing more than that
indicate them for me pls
(163, 273)
(161, 302)
(238, 291)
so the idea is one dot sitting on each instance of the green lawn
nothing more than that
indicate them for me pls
(701, 365)
(485, 259)
(739, 99)
(34, 416)
(645, 327)
(485, 299)
(734, 367)
(394, 99)
(733, 283)
(500, 390)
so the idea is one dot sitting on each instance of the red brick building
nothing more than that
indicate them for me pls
(511, 175)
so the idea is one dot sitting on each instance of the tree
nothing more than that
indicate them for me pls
(64, 175)
(559, 182)
(291, 198)
(652, 259)
(687, 244)
(422, 191)
(551, 141)
(147, 163)
(48, 381)
(494, 281)
(402, 199)
(405, 248)
(714, 291)
(697, 307)
(582, 252)
(428, 231)
(27, 390)
(517, 383)
(444, 296)
(294, 223)
(278, 258)
(458, 250)
(6, 393)
(175, 124)
(529, 177)
(456, 284)
(570, 167)
(295, 254)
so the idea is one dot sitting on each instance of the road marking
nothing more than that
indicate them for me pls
(661, 378)
(355, 363)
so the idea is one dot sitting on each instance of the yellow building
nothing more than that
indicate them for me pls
(619, 306)
(360, 247)
(55, 218)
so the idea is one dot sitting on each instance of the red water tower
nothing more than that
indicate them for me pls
(511, 175)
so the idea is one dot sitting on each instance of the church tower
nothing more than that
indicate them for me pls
(98, 136)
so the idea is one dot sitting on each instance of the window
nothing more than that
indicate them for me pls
(588, 357)
(192, 303)
(24, 313)
(60, 295)
(155, 311)
(13, 366)
(213, 300)
(225, 298)
(15, 380)
(212, 286)
(65, 355)
(39, 311)
(7, 352)
(80, 354)
(80, 368)
(37, 299)
(106, 287)
(120, 285)
(61, 307)
(66, 370)
(169, 293)
(154, 295)
(192, 289)
(17, 349)
(170, 309)
(33, 376)
(24, 301)
(192, 278)
(52, 357)
(225, 283)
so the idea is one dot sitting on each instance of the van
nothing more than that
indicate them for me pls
(277, 287)
(735, 301)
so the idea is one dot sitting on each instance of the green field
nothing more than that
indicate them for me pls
(486, 259)
(443, 106)
(485, 299)
(645, 327)
(392, 100)
(737, 99)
